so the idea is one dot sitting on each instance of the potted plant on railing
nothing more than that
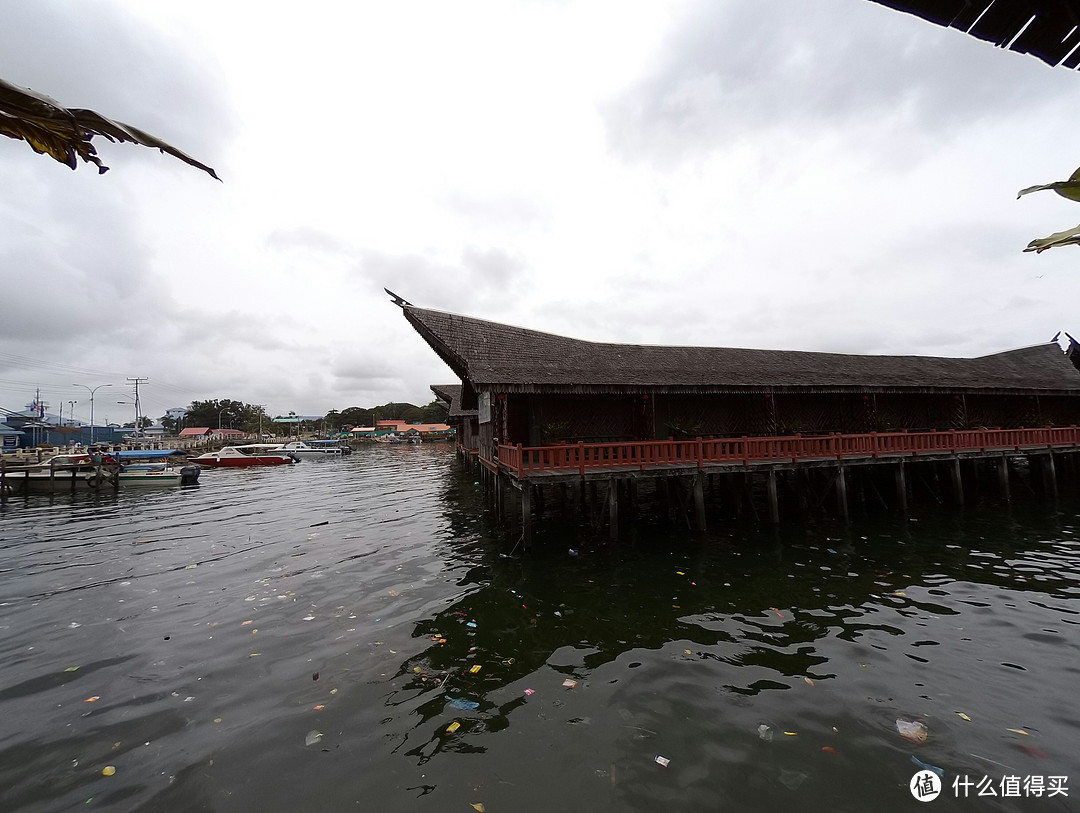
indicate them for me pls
(553, 432)
(684, 428)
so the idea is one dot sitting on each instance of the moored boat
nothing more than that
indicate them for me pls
(251, 454)
(305, 451)
(150, 467)
(67, 472)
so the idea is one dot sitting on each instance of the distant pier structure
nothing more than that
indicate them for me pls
(596, 427)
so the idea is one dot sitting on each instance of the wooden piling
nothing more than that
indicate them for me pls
(774, 503)
(699, 503)
(526, 513)
(901, 486)
(613, 509)
(957, 481)
(841, 490)
(1050, 476)
(1003, 477)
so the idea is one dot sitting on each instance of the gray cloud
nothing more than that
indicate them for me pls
(305, 238)
(482, 275)
(509, 210)
(94, 56)
(734, 69)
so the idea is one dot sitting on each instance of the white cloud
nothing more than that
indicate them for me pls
(770, 173)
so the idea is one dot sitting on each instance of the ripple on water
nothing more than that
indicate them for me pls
(194, 639)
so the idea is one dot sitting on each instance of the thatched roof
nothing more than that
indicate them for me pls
(451, 394)
(503, 358)
(1046, 29)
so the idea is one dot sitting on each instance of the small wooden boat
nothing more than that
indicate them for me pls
(68, 472)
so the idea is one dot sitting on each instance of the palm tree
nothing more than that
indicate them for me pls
(66, 133)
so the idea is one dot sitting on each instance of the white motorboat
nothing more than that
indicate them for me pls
(251, 454)
(310, 452)
(157, 474)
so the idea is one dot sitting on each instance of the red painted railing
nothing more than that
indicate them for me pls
(643, 454)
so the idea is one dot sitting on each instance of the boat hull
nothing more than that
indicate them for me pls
(188, 475)
(237, 462)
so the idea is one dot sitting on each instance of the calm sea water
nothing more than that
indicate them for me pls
(352, 635)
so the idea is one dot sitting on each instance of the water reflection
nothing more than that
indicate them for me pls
(369, 601)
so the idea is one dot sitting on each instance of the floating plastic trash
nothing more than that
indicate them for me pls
(478, 807)
(454, 726)
(108, 770)
(792, 779)
(663, 762)
(912, 730)
(527, 692)
(928, 767)
(312, 737)
(475, 669)
(765, 733)
(462, 703)
(963, 716)
(569, 684)
(471, 624)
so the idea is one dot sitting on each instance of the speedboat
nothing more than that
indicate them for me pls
(251, 454)
(309, 452)
(146, 467)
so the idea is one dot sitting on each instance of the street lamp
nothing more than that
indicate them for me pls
(92, 391)
(71, 413)
(219, 417)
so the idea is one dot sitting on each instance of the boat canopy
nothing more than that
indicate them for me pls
(147, 454)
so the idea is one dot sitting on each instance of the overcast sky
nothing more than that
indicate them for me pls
(792, 174)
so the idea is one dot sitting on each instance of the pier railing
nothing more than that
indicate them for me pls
(582, 457)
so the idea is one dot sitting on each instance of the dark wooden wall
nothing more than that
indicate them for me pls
(535, 420)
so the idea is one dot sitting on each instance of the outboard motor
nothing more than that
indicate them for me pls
(189, 475)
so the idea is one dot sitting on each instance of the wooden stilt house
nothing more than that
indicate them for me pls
(464, 421)
(538, 389)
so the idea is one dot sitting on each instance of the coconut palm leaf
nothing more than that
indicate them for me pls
(1069, 237)
(66, 133)
(1067, 189)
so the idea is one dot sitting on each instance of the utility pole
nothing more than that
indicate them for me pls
(137, 380)
(92, 390)
(262, 408)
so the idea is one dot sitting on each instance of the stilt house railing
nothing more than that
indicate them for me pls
(645, 454)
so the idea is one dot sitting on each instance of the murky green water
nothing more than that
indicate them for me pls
(304, 639)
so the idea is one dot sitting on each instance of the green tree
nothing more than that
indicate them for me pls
(226, 413)
(355, 416)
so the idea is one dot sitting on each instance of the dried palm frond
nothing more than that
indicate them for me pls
(66, 133)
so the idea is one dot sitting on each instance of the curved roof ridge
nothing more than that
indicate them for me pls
(489, 354)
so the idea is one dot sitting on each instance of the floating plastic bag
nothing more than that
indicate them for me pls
(912, 730)
(462, 703)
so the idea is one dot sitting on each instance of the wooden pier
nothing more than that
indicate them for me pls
(25, 479)
(812, 473)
